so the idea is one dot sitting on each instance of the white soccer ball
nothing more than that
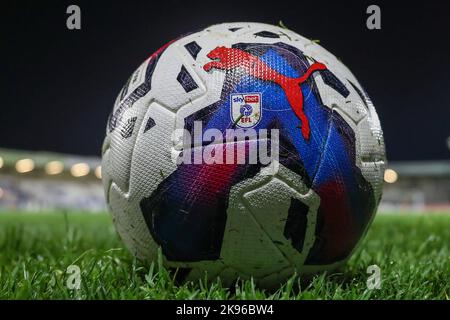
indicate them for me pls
(304, 211)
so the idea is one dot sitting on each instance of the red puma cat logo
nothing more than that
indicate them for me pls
(232, 58)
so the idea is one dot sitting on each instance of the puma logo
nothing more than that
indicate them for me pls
(232, 58)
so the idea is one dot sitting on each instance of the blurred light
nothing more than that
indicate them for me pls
(25, 165)
(390, 176)
(54, 167)
(448, 144)
(98, 172)
(80, 170)
(1, 162)
(1, 193)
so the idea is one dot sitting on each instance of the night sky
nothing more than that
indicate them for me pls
(58, 86)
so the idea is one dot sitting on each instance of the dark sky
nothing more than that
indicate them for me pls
(58, 86)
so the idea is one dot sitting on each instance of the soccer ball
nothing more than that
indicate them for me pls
(237, 88)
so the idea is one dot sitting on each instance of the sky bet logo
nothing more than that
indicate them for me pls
(246, 111)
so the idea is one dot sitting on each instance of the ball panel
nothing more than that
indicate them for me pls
(123, 142)
(347, 198)
(152, 156)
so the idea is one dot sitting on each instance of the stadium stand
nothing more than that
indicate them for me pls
(417, 186)
(37, 181)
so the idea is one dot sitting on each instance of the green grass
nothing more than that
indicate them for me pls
(36, 250)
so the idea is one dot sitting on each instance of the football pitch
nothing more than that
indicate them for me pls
(48, 255)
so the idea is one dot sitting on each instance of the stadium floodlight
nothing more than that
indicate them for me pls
(390, 176)
(80, 170)
(54, 167)
(1, 162)
(98, 172)
(24, 165)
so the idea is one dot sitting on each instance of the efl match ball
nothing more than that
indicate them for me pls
(244, 151)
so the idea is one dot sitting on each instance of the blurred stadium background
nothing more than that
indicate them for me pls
(57, 96)
(42, 181)
(38, 181)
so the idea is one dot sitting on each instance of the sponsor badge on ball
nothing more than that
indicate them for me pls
(246, 109)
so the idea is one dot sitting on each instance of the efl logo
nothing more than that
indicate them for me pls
(245, 110)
